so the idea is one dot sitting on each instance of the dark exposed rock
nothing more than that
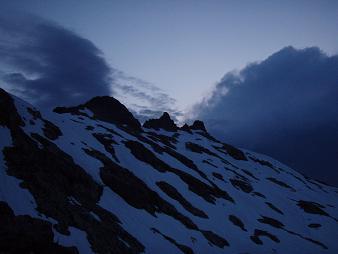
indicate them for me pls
(314, 225)
(207, 135)
(107, 141)
(237, 222)
(110, 110)
(198, 125)
(76, 121)
(209, 163)
(232, 151)
(185, 161)
(107, 109)
(143, 154)
(166, 140)
(273, 207)
(208, 193)
(196, 148)
(164, 122)
(205, 191)
(52, 177)
(138, 148)
(258, 194)
(277, 224)
(154, 145)
(8, 114)
(218, 176)
(174, 194)
(259, 233)
(316, 183)
(178, 156)
(312, 207)
(24, 234)
(34, 113)
(67, 196)
(244, 186)
(270, 221)
(250, 174)
(50, 130)
(297, 177)
(280, 183)
(89, 128)
(316, 242)
(181, 158)
(49, 166)
(306, 238)
(262, 162)
(215, 239)
(110, 130)
(134, 191)
(186, 128)
(237, 175)
(185, 249)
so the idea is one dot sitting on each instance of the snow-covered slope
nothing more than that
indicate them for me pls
(91, 179)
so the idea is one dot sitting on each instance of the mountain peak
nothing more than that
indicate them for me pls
(107, 109)
(165, 116)
(198, 125)
(186, 128)
(164, 122)
(80, 189)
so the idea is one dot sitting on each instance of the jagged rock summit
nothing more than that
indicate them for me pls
(164, 122)
(104, 108)
(198, 125)
(91, 179)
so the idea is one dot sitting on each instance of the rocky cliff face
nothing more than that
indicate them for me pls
(91, 179)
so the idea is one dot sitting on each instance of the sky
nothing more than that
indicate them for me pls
(185, 47)
(261, 74)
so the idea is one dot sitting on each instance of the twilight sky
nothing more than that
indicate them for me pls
(185, 47)
(262, 75)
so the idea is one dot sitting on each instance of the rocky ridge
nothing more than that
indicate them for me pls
(91, 179)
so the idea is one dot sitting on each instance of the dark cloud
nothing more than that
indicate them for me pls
(50, 65)
(285, 106)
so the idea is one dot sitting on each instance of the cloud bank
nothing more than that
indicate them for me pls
(50, 66)
(285, 106)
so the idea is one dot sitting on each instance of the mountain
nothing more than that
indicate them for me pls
(91, 179)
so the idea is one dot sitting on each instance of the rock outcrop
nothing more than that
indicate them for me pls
(164, 122)
(91, 179)
(198, 125)
(107, 109)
